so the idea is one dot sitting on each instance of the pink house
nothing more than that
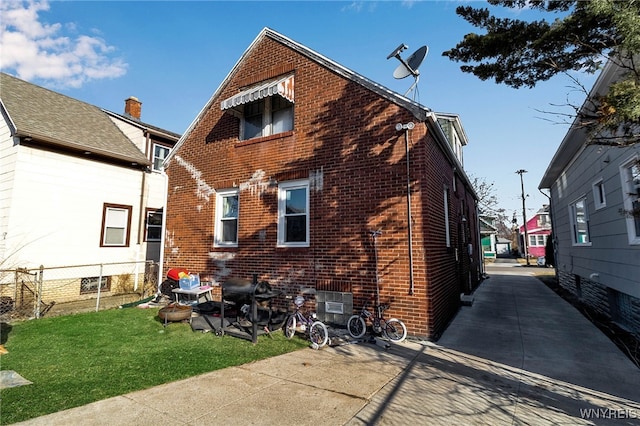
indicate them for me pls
(538, 230)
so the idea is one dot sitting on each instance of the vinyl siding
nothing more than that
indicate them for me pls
(610, 255)
(56, 209)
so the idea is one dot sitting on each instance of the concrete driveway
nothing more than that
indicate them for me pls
(520, 355)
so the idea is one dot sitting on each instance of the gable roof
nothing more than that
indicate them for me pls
(145, 126)
(486, 226)
(419, 111)
(53, 119)
(454, 119)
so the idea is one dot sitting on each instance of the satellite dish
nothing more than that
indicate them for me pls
(411, 65)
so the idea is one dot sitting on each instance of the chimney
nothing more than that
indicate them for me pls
(133, 107)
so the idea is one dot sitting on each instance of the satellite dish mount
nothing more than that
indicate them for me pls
(410, 66)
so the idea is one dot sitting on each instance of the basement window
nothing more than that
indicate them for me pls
(90, 284)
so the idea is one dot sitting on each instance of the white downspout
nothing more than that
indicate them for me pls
(164, 226)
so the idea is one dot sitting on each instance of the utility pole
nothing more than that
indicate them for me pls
(524, 217)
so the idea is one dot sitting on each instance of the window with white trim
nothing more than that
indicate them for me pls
(543, 220)
(293, 214)
(153, 224)
(447, 231)
(116, 223)
(226, 227)
(579, 217)
(267, 116)
(537, 240)
(599, 198)
(630, 175)
(160, 152)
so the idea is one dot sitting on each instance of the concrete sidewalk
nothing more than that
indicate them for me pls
(520, 355)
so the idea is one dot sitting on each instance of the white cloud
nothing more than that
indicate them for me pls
(355, 6)
(53, 53)
(358, 6)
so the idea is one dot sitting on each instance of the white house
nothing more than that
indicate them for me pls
(79, 186)
(597, 243)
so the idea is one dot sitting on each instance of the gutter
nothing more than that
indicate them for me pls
(142, 161)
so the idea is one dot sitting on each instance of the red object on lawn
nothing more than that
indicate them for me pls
(174, 273)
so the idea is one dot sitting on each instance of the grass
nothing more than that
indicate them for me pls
(78, 359)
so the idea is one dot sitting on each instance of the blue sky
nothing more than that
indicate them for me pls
(173, 56)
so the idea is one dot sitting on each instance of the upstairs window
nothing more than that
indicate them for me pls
(265, 109)
(266, 117)
(252, 120)
(543, 221)
(281, 115)
(159, 154)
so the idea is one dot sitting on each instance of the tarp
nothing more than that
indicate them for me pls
(11, 379)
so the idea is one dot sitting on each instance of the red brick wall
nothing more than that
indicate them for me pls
(344, 135)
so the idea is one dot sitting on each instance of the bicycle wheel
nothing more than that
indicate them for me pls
(356, 326)
(290, 327)
(395, 330)
(319, 334)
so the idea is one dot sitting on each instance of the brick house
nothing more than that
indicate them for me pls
(291, 164)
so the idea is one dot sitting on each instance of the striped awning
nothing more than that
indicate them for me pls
(282, 86)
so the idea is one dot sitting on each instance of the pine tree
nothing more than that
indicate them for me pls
(582, 36)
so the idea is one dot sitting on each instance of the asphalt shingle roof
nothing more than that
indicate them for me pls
(50, 117)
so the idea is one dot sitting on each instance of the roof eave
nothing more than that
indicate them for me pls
(5, 112)
(138, 160)
(167, 134)
(574, 140)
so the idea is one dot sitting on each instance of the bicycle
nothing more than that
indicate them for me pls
(392, 328)
(306, 323)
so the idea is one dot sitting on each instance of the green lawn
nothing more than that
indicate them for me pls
(77, 359)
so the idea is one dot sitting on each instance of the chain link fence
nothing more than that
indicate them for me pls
(34, 293)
